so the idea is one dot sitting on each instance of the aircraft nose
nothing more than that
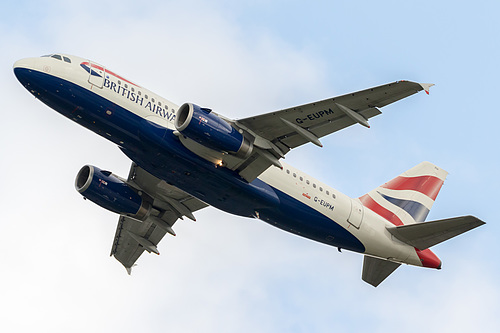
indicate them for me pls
(27, 63)
(429, 259)
(22, 69)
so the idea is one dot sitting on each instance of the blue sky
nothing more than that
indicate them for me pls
(227, 274)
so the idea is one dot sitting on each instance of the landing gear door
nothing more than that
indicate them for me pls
(356, 216)
(96, 75)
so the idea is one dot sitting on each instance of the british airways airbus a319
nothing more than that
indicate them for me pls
(187, 157)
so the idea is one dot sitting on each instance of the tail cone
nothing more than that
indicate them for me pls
(429, 259)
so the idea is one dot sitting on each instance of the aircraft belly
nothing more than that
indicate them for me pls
(218, 187)
(159, 152)
(224, 189)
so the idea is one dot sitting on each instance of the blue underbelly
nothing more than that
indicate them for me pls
(300, 219)
(159, 152)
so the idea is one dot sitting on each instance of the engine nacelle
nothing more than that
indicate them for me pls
(110, 192)
(208, 129)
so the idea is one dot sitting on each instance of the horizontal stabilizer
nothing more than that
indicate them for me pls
(377, 270)
(427, 234)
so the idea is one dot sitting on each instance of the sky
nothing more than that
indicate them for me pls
(240, 58)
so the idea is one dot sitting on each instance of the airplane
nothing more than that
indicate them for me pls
(187, 157)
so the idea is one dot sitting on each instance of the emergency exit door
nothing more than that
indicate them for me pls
(356, 216)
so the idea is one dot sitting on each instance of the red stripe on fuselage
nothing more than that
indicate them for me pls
(109, 72)
(428, 185)
(371, 204)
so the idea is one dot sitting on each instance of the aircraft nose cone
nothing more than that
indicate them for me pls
(24, 63)
(19, 63)
(22, 69)
(429, 259)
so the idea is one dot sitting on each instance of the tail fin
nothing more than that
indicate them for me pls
(404, 201)
(408, 198)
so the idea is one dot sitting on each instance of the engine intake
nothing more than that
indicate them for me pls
(208, 129)
(106, 190)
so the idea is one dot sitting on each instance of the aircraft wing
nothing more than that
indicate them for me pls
(169, 203)
(290, 128)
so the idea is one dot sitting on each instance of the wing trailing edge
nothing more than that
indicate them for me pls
(132, 236)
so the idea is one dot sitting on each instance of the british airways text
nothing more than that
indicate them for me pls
(135, 97)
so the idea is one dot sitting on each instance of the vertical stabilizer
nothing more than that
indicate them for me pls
(408, 198)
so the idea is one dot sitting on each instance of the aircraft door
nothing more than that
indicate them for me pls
(96, 75)
(357, 211)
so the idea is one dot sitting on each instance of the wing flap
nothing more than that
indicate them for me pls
(127, 249)
(376, 270)
(133, 237)
(325, 117)
(426, 234)
(293, 140)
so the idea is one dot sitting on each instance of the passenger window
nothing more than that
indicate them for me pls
(287, 171)
(333, 195)
(159, 103)
(152, 100)
(68, 60)
(314, 185)
(321, 189)
(301, 179)
(307, 182)
(146, 96)
(295, 175)
(327, 192)
(126, 86)
(57, 56)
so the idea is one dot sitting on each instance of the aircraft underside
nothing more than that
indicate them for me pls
(158, 151)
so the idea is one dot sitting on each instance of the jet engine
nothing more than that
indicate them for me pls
(208, 129)
(110, 192)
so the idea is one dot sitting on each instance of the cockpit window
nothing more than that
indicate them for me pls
(58, 57)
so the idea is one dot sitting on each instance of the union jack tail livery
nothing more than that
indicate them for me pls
(405, 201)
(408, 198)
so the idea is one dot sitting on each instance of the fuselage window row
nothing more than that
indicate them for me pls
(314, 184)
